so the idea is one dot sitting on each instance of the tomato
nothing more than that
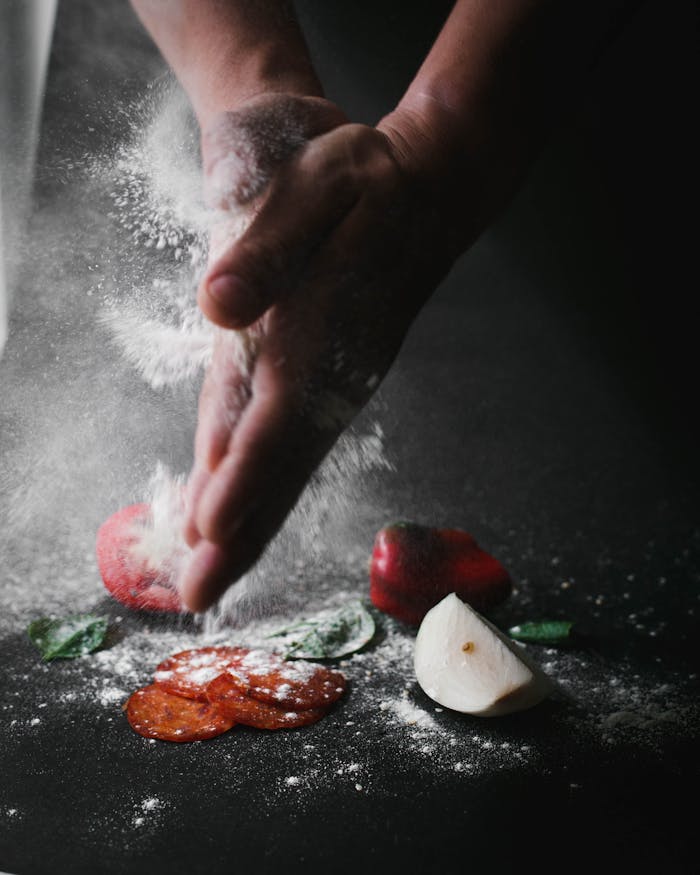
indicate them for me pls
(127, 575)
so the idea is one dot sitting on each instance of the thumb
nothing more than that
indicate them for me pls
(306, 200)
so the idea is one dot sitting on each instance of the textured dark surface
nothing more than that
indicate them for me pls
(544, 400)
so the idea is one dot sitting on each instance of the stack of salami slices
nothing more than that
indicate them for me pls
(198, 694)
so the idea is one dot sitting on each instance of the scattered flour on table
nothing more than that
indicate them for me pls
(408, 713)
(146, 811)
(384, 719)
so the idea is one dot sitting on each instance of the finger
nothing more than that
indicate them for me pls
(213, 568)
(198, 479)
(259, 448)
(307, 199)
(224, 395)
(205, 577)
(211, 440)
(225, 392)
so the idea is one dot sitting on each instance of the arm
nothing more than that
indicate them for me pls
(500, 76)
(225, 52)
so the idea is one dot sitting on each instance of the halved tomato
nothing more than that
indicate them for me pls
(126, 573)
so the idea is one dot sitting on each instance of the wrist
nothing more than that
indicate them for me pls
(456, 156)
(440, 155)
(228, 83)
(224, 53)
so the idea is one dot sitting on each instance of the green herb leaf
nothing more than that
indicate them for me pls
(67, 637)
(542, 632)
(329, 634)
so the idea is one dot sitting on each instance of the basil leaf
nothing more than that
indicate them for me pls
(329, 634)
(67, 637)
(542, 632)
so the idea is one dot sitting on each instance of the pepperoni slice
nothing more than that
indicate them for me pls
(126, 575)
(225, 694)
(187, 673)
(155, 713)
(295, 685)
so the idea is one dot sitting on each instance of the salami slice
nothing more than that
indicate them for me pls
(225, 694)
(187, 673)
(125, 573)
(294, 685)
(155, 713)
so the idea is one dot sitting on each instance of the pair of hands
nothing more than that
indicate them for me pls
(345, 241)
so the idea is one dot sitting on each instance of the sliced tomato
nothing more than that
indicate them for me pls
(187, 673)
(224, 693)
(126, 575)
(294, 684)
(155, 713)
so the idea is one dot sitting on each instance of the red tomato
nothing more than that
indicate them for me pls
(128, 576)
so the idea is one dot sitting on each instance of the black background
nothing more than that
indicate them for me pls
(545, 399)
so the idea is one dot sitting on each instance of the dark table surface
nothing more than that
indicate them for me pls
(543, 401)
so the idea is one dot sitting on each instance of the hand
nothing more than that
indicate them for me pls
(342, 249)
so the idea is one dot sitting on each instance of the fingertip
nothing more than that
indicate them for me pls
(191, 533)
(230, 291)
(205, 578)
(229, 301)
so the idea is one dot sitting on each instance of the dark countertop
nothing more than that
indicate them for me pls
(542, 401)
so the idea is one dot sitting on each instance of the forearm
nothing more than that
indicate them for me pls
(501, 74)
(226, 51)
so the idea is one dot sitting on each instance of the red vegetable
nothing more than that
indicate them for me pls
(128, 576)
(413, 567)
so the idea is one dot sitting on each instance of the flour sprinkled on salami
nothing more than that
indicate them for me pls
(225, 694)
(187, 673)
(297, 684)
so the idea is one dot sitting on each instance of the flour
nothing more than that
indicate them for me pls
(409, 713)
(145, 810)
(162, 354)
(151, 804)
(156, 193)
(160, 540)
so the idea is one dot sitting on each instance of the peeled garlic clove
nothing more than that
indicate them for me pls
(464, 663)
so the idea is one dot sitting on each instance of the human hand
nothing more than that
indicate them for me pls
(343, 246)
